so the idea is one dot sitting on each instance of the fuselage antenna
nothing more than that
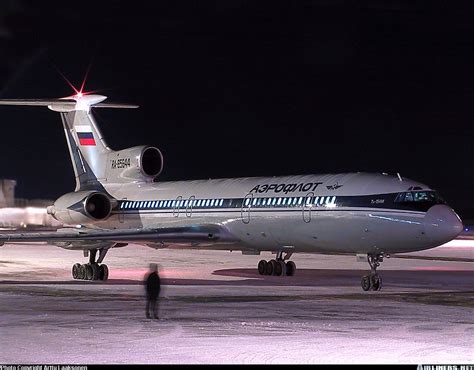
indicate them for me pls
(399, 177)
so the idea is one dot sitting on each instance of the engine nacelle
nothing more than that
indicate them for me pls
(139, 163)
(82, 207)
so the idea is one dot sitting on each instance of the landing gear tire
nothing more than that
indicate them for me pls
(262, 267)
(95, 271)
(290, 268)
(282, 268)
(76, 271)
(365, 283)
(375, 282)
(270, 267)
(89, 273)
(277, 269)
(82, 272)
(103, 272)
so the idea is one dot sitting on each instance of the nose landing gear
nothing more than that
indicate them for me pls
(373, 281)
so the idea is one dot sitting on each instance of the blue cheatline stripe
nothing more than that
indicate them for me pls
(329, 202)
(256, 211)
(85, 135)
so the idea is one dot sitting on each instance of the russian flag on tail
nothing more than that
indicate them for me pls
(84, 133)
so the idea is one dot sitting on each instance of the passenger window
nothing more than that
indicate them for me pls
(279, 201)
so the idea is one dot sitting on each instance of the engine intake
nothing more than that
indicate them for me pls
(139, 163)
(98, 206)
(151, 161)
(82, 207)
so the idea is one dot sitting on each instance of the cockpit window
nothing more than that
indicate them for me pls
(430, 197)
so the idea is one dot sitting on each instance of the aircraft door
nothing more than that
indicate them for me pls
(189, 206)
(177, 206)
(307, 205)
(246, 206)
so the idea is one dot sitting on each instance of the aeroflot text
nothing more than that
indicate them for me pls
(285, 188)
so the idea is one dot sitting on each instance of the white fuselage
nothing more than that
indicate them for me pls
(340, 213)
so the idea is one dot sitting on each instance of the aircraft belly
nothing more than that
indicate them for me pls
(325, 232)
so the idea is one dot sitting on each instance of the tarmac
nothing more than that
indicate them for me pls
(216, 309)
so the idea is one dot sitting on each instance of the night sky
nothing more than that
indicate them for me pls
(248, 88)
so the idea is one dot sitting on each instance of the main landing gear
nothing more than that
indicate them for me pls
(373, 280)
(278, 266)
(92, 270)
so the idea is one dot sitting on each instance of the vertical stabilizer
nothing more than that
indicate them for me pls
(87, 148)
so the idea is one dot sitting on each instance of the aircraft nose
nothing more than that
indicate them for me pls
(442, 224)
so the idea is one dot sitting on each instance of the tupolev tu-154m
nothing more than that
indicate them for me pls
(118, 201)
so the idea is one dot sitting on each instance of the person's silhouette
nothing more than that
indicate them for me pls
(152, 286)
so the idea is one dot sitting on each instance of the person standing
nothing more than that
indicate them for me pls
(152, 286)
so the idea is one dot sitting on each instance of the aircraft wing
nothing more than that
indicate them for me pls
(210, 233)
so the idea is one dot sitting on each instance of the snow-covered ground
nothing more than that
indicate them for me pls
(215, 308)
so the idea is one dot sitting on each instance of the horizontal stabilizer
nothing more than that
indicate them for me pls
(83, 102)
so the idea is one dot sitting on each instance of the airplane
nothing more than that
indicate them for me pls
(118, 200)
